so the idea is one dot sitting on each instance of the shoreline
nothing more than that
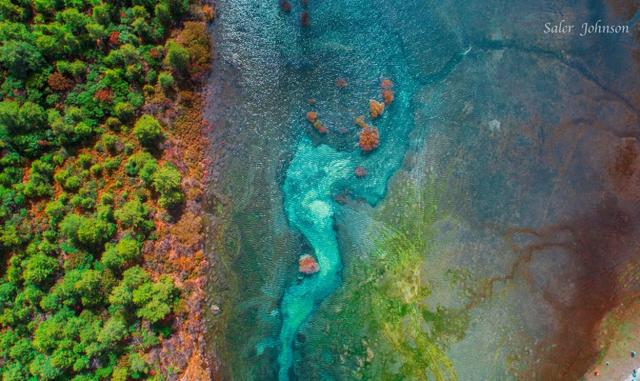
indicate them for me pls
(183, 242)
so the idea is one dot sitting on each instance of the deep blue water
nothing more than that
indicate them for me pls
(459, 70)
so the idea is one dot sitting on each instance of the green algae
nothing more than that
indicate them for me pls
(380, 326)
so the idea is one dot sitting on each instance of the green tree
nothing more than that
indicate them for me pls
(166, 81)
(90, 287)
(132, 215)
(141, 163)
(39, 268)
(124, 111)
(91, 232)
(122, 294)
(20, 58)
(43, 369)
(177, 57)
(155, 300)
(148, 130)
(114, 330)
(166, 181)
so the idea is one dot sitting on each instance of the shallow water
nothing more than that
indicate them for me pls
(518, 126)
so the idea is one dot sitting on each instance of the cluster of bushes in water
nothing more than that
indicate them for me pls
(82, 181)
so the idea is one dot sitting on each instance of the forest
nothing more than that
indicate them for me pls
(89, 91)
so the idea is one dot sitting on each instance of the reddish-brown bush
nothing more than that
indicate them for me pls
(114, 38)
(59, 82)
(104, 95)
(375, 108)
(369, 139)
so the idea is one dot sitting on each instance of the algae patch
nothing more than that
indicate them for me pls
(379, 324)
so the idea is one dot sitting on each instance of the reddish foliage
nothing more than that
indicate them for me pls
(209, 12)
(312, 116)
(320, 127)
(388, 96)
(104, 95)
(369, 139)
(359, 121)
(375, 108)
(114, 38)
(360, 171)
(154, 53)
(308, 265)
(386, 84)
(59, 82)
(341, 83)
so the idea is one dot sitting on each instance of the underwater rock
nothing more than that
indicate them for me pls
(307, 264)
(285, 6)
(375, 108)
(360, 171)
(304, 19)
(369, 139)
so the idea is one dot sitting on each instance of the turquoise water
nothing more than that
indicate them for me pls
(465, 83)
(318, 173)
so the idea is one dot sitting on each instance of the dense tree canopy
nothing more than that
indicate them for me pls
(81, 179)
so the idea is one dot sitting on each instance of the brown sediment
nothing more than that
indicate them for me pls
(624, 8)
(599, 243)
(624, 172)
